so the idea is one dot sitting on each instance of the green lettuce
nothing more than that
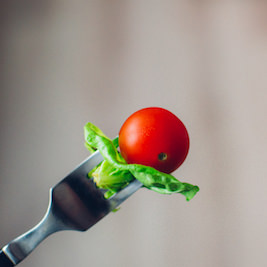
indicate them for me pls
(113, 173)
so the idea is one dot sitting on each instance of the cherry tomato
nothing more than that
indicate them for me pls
(154, 137)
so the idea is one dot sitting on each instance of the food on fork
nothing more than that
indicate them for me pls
(152, 143)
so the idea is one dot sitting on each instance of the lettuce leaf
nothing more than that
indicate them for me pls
(114, 173)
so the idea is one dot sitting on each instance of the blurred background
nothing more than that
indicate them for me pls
(64, 63)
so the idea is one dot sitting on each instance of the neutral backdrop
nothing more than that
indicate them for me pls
(64, 63)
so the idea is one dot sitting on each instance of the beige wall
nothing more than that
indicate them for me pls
(64, 63)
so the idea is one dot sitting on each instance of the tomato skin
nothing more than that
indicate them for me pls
(154, 137)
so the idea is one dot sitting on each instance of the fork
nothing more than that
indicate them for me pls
(74, 204)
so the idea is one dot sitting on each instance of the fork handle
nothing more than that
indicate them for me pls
(4, 260)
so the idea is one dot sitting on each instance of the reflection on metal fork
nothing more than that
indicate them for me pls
(74, 204)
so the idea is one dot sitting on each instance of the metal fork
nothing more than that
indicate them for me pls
(74, 204)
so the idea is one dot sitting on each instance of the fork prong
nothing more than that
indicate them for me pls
(123, 194)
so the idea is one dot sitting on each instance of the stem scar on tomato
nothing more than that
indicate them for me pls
(162, 156)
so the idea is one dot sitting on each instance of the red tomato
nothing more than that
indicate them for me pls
(154, 137)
